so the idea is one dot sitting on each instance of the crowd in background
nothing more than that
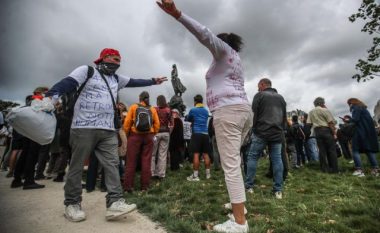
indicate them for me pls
(356, 134)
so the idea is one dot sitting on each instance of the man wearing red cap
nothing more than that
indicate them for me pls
(93, 130)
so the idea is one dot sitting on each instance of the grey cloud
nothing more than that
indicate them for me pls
(307, 48)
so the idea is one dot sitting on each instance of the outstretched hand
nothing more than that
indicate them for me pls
(160, 80)
(169, 7)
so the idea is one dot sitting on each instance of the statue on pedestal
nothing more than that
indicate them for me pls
(176, 101)
(178, 87)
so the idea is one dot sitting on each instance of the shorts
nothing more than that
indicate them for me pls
(200, 143)
(17, 140)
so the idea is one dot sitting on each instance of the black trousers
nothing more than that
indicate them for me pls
(43, 158)
(92, 174)
(175, 158)
(345, 149)
(26, 163)
(327, 150)
(301, 157)
(58, 161)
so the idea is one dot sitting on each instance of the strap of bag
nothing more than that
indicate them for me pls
(90, 73)
(109, 89)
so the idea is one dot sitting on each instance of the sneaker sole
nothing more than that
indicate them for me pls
(112, 215)
(74, 220)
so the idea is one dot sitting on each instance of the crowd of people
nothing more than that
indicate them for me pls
(96, 130)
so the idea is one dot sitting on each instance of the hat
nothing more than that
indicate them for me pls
(106, 52)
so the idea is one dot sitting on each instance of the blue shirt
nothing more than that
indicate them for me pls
(199, 117)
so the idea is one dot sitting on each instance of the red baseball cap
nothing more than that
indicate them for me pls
(106, 52)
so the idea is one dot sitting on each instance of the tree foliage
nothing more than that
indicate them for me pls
(7, 104)
(368, 68)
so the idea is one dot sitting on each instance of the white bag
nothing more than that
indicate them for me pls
(38, 126)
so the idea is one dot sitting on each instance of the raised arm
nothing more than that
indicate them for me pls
(202, 33)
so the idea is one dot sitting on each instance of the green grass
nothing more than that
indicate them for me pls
(312, 201)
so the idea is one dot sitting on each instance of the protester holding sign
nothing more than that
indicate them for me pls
(93, 130)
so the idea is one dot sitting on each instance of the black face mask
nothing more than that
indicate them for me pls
(108, 68)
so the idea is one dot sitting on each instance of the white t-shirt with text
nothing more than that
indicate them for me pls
(94, 108)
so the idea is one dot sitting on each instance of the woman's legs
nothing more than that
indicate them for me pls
(230, 128)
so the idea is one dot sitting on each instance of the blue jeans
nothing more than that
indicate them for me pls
(371, 157)
(255, 151)
(311, 149)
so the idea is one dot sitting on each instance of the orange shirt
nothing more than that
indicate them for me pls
(129, 122)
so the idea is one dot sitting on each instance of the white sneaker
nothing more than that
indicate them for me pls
(119, 208)
(358, 173)
(208, 176)
(74, 213)
(231, 227)
(249, 190)
(193, 178)
(278, 195)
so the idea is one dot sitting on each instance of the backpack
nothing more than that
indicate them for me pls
(143, 118)
(307, 130)
(297, 132)
(69, 99)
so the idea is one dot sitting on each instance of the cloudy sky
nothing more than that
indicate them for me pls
(307, 48)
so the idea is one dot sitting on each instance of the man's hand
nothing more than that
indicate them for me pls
(169, 7)
(160, 80)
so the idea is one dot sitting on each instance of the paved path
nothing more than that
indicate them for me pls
(41, 211)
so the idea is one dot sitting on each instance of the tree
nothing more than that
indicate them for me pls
(369, 11)
(7, 104)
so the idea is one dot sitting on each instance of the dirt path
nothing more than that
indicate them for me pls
(40, 211)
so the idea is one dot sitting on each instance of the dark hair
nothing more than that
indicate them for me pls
(233, 40)
(28, 100)
(266, 81)
(198, 99)
(294, 118)
(357, 102)
(144, 95)
(122, 107)
(305, 116)
(161, 101)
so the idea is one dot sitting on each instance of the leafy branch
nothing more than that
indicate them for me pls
(369, 68)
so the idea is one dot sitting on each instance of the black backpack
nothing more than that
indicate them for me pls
(143, 120)
(297, 132)
(307, 130)
(69, 99)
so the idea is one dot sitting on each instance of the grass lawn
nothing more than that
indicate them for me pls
(312, 201)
